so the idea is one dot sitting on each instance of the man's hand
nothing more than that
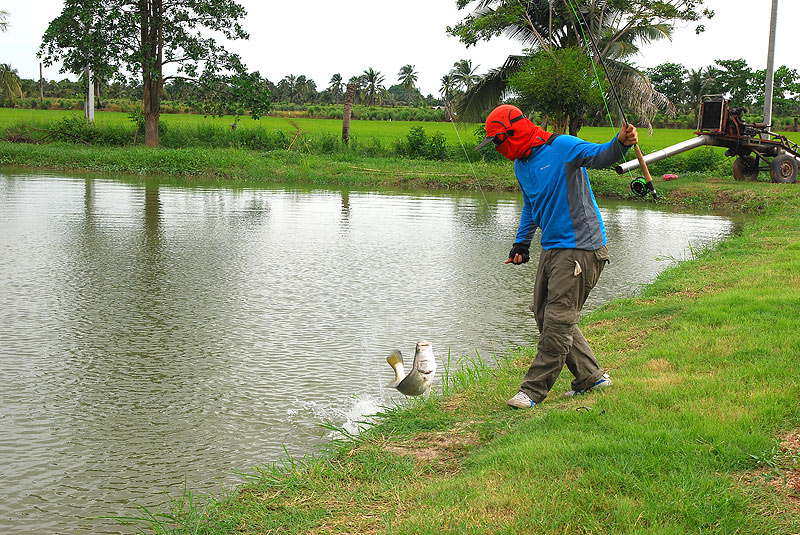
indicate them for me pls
(520, 253)
(628, 135)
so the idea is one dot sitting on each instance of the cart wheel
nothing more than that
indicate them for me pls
(783, 169)
(745, 168)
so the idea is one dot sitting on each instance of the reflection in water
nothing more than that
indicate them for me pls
(152, 333)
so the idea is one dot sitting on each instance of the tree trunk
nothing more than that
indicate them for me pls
(575, 124)
(448, 111)
(151, 12)
(152, 112)
(348, 108)
(41, 84)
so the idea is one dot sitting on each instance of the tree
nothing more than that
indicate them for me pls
(138, 38)
(336, 87)
(698, 83)
(670, 80)
(10, 86)
(407, 76)
(735, 80)
(448, 84)
(619, 26)
(559, 84)
(373, 81)
(359, 84)
(464, 74)
(785, 90)
(4, 21)
(287, 88)
(407, 91)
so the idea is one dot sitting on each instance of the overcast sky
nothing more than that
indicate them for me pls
(318, 38)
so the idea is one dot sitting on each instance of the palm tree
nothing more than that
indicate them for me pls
(548, 24)
(359, 84)
(697, 84)
(407, 76)
(4, 20)
(288, 87)
(448, 84)
(306, 89)
(336, 87)
(464, 73)
(373, 80)
(10, 86)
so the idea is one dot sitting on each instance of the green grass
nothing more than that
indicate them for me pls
(685, 442)
(354, 168)
(385, 131)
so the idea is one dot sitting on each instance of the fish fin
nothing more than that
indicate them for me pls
(394, 358)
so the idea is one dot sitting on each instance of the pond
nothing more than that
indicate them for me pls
(155, 334)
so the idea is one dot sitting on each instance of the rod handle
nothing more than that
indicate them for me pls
(647, 177)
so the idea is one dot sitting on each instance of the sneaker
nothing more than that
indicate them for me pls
(603, 382)
(521, 401)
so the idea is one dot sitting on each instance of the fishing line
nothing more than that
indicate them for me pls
(597, 77)
(466, 155)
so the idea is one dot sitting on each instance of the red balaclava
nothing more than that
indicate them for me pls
(513, 133)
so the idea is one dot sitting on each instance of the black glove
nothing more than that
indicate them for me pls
(520, 249)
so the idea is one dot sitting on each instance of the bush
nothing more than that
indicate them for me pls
(417, 141)
(436, 148)
(699, 160)
(325, 144)
(703, 159)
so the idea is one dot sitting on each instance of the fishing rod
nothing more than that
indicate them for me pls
(648, 180)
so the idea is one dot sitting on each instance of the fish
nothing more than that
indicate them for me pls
(420, 379)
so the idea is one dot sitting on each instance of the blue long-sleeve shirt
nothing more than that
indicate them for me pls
(557, 195)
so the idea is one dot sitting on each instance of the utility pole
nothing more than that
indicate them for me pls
(41, 84)
(770, 65)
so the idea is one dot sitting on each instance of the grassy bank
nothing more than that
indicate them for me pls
(697, 435)
(694, 437)
(274, 167)
(359, 167)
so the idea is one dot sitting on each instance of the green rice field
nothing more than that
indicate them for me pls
(385, 131)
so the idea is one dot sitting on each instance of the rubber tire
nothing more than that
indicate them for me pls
(745, 168)
(783, 169)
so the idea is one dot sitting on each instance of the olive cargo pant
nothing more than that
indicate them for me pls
(564, 279)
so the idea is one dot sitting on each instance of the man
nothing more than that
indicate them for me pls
(557, 198)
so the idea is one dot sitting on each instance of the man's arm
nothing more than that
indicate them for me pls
(520, 251)
(526, 225)
(597, 156)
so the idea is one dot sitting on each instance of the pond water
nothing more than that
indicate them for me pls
(153, 335)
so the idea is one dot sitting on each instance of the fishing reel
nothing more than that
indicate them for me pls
(641, 187)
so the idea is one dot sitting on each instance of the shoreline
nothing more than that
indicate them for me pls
(247, 167)
(705, 394)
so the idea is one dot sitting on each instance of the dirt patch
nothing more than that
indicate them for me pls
(792, 482)
(791, 443)
(782, 474)
(660, 365)
(440, 447)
